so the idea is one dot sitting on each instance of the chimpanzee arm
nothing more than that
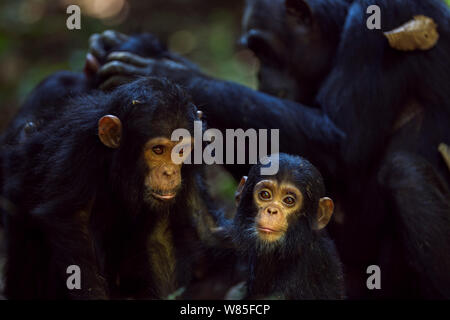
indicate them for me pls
(229, 105)
(218, 99)
(303, 130)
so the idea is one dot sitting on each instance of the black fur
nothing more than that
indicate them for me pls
(364, 88)
(357, 89)
(64, 168)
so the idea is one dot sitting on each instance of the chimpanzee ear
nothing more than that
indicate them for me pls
(324, 213)
(300, 10)
(110, 131)
(238, 193)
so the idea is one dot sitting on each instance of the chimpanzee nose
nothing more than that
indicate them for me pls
(272, 210)
(169, 172)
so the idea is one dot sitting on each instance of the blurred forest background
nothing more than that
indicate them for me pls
(34, 40)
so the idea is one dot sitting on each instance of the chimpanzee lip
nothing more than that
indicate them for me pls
(163, 196)
(267, 230)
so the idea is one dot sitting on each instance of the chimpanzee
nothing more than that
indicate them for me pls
(393, 108)
(96, 187)
(277, 228)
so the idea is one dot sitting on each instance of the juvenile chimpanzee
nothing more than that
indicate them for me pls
(278, 228)
(96, 187)
(393, 107)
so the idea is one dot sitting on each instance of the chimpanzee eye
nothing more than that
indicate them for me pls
(158, 149)
(265, 195)
(289, 201)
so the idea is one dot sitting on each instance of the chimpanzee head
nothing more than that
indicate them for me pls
(283, 210)
(142, 169)
(295, 41)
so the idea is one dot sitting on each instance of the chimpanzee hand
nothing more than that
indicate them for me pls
(99, 47)
(101, 44)
(122, 66)
(133, 51)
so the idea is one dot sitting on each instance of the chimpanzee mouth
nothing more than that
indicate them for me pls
(267, 230)
(164, 196)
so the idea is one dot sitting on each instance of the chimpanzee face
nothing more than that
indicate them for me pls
(275, 203)
(163, 179)
(161, 176)
(147, 166)
(293, 56)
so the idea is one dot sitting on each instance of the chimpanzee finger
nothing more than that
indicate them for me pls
(172, 64)
(91, 65)
(96, 46)
(113, 38)
(128, 57)
(117, 67)
(115, 81)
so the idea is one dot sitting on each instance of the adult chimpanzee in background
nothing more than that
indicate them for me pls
(96, 187)
(394, 108)
(277, 227)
